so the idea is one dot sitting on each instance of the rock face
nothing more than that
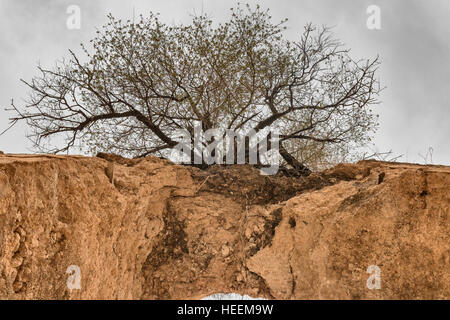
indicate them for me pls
(149, 229)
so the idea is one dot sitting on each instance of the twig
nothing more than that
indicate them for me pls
(201, 185)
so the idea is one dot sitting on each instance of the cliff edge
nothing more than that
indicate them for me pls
(150, 229)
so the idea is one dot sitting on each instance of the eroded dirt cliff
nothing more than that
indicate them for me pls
(149, 229)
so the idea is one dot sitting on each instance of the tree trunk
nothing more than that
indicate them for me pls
(301, 168)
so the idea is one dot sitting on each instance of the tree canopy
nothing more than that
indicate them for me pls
(139, 81)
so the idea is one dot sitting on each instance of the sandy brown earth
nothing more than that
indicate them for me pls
(149, 229)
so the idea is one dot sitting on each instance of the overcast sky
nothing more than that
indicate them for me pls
(413, 43)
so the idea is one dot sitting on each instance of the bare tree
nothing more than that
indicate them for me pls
(140, 81)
